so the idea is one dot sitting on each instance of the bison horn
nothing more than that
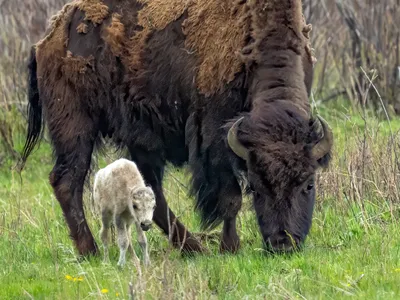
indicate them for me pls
(234, 143)
(325, 144)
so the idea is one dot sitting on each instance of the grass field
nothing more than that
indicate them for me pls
(353, 250)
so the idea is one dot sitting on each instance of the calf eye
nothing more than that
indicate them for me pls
(310, 187)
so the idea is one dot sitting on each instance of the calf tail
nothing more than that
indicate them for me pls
(35, 121)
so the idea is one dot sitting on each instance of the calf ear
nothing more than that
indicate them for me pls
(149, 189)
(136, 192)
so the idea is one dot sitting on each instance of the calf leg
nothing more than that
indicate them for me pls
(123, 240)
(105, 229)
(142, 239)
(130, 247)
(151, 165)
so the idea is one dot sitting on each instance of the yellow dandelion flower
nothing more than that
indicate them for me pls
(80, 278)
(68, 277)
(117, 294)
(397, 270)
(104, 291)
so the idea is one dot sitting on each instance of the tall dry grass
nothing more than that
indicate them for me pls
(365, 171)
(22, 23)
(351, 35)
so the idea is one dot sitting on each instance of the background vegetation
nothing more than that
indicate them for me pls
(353, 249)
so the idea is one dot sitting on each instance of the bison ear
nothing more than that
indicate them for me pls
(234, 142)
(322, 149)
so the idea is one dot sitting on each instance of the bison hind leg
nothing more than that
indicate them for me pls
(73, 143)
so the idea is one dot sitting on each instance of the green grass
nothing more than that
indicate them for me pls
(353, 250)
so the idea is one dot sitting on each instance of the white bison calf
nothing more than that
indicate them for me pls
(121, 196)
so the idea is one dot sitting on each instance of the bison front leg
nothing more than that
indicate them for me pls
(151, 166)
(231, 198)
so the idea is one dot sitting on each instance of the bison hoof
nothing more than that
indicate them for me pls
(192, 246)
(230, 246)
(213, 237)
(87, 248)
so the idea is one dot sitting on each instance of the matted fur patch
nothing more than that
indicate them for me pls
(114, 35)
(82, 28)
(216, 32)
(95, 10)
(156, 14)
(56, 38)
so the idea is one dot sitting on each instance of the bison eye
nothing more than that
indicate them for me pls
(135, 206)
(251, 188)
(310, 187)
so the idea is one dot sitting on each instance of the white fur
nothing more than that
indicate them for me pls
(121, 195)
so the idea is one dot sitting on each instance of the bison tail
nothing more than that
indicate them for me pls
(35, 121)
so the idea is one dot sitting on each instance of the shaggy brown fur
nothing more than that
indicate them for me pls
(56, 35)
(114, 35)
(75, 65)
(216, 32)
(95, 10)
(82, 28)
(156, 14)
(266, 19)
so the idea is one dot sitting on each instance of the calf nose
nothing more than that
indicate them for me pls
(146, 225)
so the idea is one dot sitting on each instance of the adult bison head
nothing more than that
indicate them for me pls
(282, 151)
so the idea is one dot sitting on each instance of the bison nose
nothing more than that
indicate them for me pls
(283, 242)
(146, 225)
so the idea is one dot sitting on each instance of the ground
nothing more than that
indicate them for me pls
(353, 249)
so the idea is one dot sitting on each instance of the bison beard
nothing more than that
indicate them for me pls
(102, 72)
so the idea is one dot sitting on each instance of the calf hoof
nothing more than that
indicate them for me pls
(121, 264)
(105, 262)
(147, 263)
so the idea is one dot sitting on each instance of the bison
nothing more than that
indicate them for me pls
(218, 84)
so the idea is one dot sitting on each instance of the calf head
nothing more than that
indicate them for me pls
(144, 203)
